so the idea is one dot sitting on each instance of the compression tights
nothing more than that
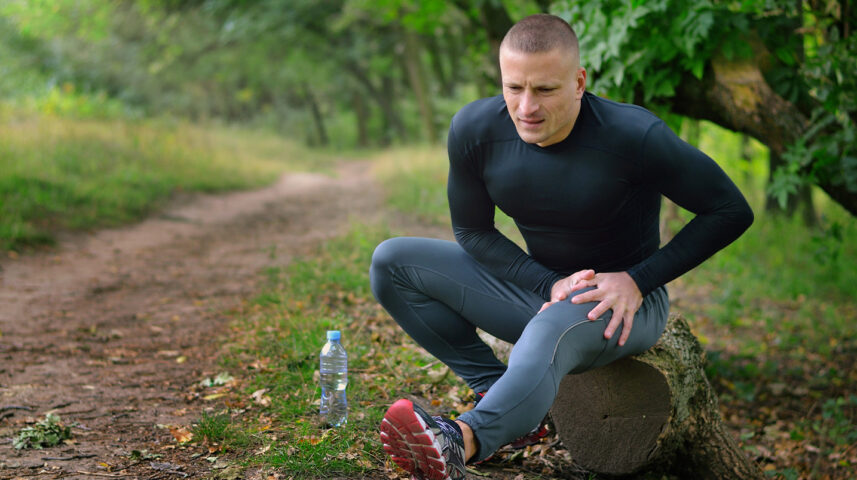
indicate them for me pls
(440, 295)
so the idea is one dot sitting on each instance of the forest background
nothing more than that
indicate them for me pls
(109, 108)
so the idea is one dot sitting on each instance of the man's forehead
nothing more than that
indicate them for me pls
(536, 65)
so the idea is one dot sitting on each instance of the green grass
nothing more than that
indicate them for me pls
(60, 173)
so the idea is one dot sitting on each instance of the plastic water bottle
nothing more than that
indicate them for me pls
(334, 379)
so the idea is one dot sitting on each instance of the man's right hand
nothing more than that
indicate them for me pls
(563, 288)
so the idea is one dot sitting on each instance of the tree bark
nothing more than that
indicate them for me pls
(494, 20)
(417, 80)
(383, 96)
(436, 56)
(652, 412)
(361, 115)
(318, 120)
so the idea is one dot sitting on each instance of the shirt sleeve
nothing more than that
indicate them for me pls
(695, 182)
(472, 214)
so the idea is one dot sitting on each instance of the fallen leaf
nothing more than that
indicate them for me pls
(260, 398)
(181, 434)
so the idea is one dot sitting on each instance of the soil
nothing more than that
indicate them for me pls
(109, 329)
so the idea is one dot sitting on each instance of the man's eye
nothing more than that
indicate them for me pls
(513, 88)
(547, 89)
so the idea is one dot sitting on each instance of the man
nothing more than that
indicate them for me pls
(583, 178)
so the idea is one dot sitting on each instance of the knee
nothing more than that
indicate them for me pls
(388, 254)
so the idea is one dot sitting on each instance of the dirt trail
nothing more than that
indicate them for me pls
(108, 330)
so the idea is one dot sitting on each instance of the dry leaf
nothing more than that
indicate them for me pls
(181, 434)
(260, 398)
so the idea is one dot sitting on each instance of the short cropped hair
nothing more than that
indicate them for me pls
(541, 33)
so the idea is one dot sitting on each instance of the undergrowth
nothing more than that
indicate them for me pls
(59, 173)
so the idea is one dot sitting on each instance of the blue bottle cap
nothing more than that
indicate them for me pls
(333, 335)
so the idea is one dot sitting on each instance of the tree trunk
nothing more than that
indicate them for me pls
(318, 120)
(494, 20)
(383, 96)
(361, 115)
(417, 80)
(652, 412)
(436, 57)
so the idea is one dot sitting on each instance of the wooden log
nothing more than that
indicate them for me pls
(651, 412)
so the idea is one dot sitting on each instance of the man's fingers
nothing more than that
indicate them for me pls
(599, 310)
(615, 320)
(545, 305)
(590, 296)
(582, 275)
(583, 284)
(627, 323)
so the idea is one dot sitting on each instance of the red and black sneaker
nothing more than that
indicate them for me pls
(429, 448)
(533, 437)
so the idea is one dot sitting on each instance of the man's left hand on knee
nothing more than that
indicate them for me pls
(615, 291)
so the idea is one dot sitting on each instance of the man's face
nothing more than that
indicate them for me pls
(542, 92)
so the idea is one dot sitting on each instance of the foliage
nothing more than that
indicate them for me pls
(48, 432)
(643, 51)
(647, 46)
(826, 151)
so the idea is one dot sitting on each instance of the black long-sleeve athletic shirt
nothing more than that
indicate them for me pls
(589, 201)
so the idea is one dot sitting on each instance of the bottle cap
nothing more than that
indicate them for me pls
(333, 335)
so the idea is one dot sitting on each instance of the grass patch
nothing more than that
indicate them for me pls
(414, 182)
(59, 173)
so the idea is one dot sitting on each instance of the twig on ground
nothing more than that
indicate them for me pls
(75, 412)
(73, 457)
(99, 474)
(16, 407)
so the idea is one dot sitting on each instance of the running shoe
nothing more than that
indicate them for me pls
(429, 448)
(533, 437)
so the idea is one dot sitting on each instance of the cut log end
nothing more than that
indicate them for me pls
(603, 419)
(653, 411)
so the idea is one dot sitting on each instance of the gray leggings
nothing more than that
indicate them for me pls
(439, 295)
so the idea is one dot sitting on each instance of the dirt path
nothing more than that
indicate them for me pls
(109, 330)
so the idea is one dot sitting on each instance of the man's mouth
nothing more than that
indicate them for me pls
(530, 122)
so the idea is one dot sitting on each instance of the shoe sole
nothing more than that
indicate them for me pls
(411, 443)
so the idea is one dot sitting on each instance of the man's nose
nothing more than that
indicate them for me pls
(529, 105)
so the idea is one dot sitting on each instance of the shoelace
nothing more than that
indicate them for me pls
(453, 446)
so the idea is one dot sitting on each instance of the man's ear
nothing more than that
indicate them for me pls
(581, 82)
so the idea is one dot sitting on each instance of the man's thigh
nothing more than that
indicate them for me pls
(563, 335)
(429, 270)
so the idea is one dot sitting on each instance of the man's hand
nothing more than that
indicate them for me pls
(615, 290)
(563, 288)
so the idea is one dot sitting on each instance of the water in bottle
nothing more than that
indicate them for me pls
(334, 379)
